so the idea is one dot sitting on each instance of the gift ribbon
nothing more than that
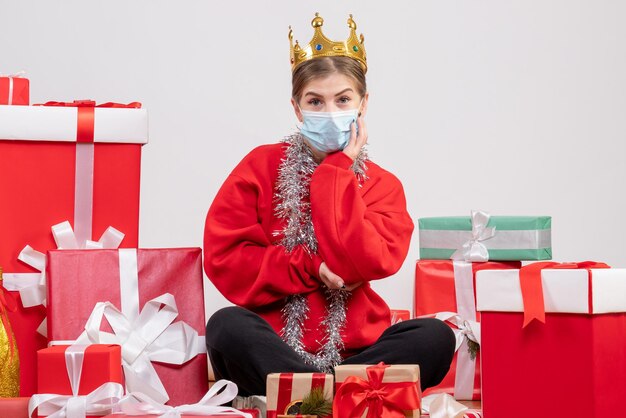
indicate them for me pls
(387, 400)
(474, 249)
(32, 286)
(444, 406)
(98, 402)
(465, 326)
(146, 336)
(532, 288)
(19, 74)
(137, 403)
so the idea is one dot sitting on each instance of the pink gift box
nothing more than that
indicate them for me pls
(78, 279)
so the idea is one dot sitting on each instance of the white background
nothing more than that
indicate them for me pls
(514, 107)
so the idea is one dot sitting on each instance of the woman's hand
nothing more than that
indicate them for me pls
(357, 140)
(332, 281)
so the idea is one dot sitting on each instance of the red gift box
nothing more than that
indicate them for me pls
(448, 286)
(100, 364)
(46, 176)
(399, 315)
(14, 407)
(574, 364)
(14, 90)
(129, 279)
(287, 389)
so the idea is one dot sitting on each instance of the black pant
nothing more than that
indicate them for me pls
(244, 348)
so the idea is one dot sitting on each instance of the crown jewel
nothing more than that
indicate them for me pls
(321, 46)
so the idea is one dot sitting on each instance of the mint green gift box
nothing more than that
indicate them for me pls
(514, 237)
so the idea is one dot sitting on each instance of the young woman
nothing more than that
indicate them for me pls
(300, 228)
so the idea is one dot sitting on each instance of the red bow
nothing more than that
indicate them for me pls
(532, 289)
(383, 400)
(86, 115)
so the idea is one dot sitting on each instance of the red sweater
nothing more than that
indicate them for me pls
(363, 234)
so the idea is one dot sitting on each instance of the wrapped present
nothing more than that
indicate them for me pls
(481, 237)
(140, 405)
(77, 378)
(445, 290)
(399, 315)
(136, 291)
(556, 332)
(377, 391)
(14, 89)
(285, 391)
(14, 407)
(76, 164)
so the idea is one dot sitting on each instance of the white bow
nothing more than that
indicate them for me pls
(151, 336)
(32, 286)
(463, 328)
(98, 402)
(474, 249)
(443, 406)
(141, 404)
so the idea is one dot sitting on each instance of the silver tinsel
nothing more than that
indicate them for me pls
(292, 205)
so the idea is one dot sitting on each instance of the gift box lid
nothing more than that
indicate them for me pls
(504, 223)
(580, 291)
(58, 123)
(393, 373)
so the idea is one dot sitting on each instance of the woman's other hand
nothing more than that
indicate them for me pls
(332, 281)
(357, 140)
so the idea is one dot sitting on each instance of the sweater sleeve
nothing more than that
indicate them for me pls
(363, 234)
(239, 258)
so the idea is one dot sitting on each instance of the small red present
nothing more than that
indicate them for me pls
(76, 164)
(445, 289)
(287, 390)
(14, 90)
(399, 315)
(66, 372)
(381, 391)
(557, 333)
(152, 300)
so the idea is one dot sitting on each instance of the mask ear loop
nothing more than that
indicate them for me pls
(360, 104)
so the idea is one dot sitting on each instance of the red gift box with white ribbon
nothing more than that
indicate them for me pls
(14, 89)
(445, 289)
(77, 380)
(78, 163)
(556, 334)
(150, 301)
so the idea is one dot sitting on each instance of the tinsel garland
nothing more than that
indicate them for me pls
(292, 205)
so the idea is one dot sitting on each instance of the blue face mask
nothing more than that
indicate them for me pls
(328, 131)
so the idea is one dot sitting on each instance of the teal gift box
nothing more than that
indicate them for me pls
(481, 237)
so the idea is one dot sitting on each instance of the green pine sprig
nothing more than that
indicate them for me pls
(316, 404)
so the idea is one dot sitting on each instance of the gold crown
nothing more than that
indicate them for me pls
(321, 46)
